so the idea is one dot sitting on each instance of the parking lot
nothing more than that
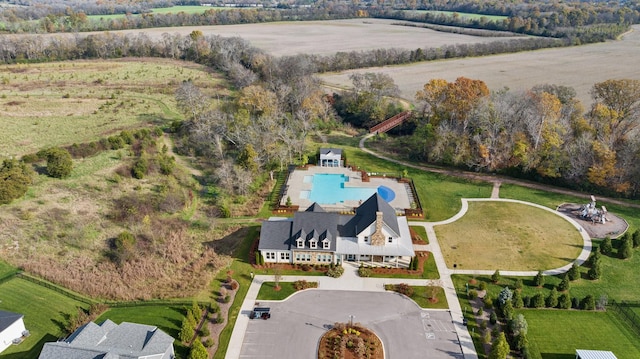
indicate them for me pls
(296, 325)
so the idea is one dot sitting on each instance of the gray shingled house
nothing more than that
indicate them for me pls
(110, 340)
(373, 234)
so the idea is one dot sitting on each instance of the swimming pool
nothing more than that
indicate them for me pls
(330, 189)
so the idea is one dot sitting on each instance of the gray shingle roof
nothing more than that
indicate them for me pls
(317, 226)
(315, 207)
(324, 151)
(366, 214)
(275, 234)
(7, 319)
(109, 340)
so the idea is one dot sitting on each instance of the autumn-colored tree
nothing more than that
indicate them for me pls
(15, 178)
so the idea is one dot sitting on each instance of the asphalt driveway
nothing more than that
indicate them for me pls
(296, 325)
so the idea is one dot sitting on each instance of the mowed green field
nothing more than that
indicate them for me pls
(508, 236)
(579, 330)
(45, 314)
(62, 103)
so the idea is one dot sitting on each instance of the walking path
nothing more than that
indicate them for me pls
(351, 281)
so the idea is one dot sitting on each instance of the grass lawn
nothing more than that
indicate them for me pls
(45, 314)
(421, 295)
(559, 333)
(508, 236)
(268, 292)
(421, 232)
(166, 318)
(439, 194)
(6, 269)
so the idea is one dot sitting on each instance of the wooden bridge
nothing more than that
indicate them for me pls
(390, 123)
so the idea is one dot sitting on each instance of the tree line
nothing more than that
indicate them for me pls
(543, 134)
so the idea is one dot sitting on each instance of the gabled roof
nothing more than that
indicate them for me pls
(109, 340)
(335, 151)
(595, 354)
(315, 226)
(366, 214)
(275, 234)
(7, 319)
(315, 207)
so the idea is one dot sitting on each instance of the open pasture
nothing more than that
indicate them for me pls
(579, 67)
(508, 236)
(60, 103)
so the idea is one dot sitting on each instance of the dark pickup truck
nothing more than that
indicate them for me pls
(260, 313)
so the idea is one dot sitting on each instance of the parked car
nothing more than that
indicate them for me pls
(260, 313)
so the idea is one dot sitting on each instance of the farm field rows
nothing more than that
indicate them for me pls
(579, 67)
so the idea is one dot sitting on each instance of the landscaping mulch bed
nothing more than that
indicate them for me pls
(350, 342)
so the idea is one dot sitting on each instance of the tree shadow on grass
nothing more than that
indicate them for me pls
(557, 356)
(229, 243)
(34, 351)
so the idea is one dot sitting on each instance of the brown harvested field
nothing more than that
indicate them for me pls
(579, 67)
(323, 37)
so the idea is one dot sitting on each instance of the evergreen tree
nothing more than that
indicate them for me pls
(552, 299)
(595, 271)
(537, 301)
(538, 280)
(605, 246)
(500, 348)
(198, 351)
(519, 284)
(495, 277)
(186, 331)
(595, 258)
(564, 284)
(636, 238)
(588, 303)
(626, 249)
(517, 300)
(564, 301)
(574, 272)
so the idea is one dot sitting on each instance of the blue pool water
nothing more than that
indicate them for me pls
(330, 189)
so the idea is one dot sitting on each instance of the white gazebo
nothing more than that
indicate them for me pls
(594, 354)
(330, 157)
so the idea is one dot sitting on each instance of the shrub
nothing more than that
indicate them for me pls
(507, 311)
(537, 301)
(626, 249)
(115, 142)
(495, 277)
(504, 296)
(574, 272)
(595, 258)
(493, 318)
(526, 301)
(234, 284)
(538, 280)
(364, 272)
(517, 300)
(59, 162)
(227, 298)
(606, 247)
(166, 164)
(552, 299)
(198, 351)
(15, 178)
(335, 272)
(414, 265)
(575, 304)
(208, 343)
(186, 331)
(564, 284)
(488, 302)
(595, 271)
(404, 288)
(482, 286)
(480, 312)
(519, 284)
(564, 301)
(140, 168)
(636, 238)
(204, 331)
(588, 303)
(473, 294)
(303, 284)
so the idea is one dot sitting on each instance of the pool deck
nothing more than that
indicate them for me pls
(296, 185)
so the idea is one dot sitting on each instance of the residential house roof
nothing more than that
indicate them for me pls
(366, 214)
(110, 340)
(8, 318)
(594, 354)
(326, 151)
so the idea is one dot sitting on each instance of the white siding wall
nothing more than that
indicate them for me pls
(12, 332)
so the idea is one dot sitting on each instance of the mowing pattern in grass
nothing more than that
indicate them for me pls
(508, 236)
(559, 333)
(44, 310)
(60, 103)
(421, 295)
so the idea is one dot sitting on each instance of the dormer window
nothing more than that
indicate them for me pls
(325, 244)
(366, 239)
(390, 239)
(313, 244)
(300, 243)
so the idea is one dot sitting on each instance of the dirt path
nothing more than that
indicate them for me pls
(492, 178)
(179, 159)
